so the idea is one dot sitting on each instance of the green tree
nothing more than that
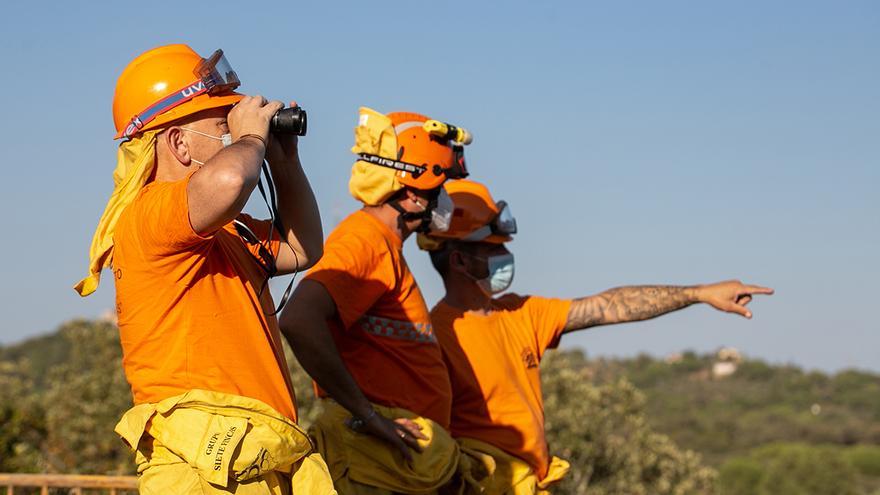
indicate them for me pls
(85, 397)
(790, 469)
(22, 425)
(62, 394)
(602, 431)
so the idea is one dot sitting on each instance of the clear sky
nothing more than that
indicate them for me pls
(637, 142)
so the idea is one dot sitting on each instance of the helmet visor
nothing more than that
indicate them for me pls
(216, 73)
(504, 223)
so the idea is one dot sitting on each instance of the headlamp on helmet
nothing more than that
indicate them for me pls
(448, 132)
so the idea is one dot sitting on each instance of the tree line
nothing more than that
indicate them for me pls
(628, 426)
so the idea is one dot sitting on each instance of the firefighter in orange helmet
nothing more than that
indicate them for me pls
(358, 322)
(214, 410)
(494, 345)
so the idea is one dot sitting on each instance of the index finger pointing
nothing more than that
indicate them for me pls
(757, 289)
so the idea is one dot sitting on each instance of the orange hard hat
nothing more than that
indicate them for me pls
(167, 83)
(476, 217)
(418, 147)
(420, 153)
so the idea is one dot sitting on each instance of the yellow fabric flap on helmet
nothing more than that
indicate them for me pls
(374, 134)
(135, 161)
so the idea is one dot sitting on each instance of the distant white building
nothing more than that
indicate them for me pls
(727, 360)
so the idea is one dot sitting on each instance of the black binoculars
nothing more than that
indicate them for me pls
(291, 120)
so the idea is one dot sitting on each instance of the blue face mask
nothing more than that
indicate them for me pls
(501, 269)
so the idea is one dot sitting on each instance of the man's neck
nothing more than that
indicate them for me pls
(170, 172)
(388, 216)
(466, 296)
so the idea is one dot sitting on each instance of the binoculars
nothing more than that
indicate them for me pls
(291, 120)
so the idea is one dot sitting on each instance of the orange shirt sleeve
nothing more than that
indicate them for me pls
(548, 317)
(166, 227)
(356, 272)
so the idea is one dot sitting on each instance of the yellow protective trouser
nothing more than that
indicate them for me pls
(488, 470)
(209, 442)
(361, 464)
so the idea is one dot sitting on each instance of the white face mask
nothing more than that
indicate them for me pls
(441, 214)
(501, 269)
(226, 139)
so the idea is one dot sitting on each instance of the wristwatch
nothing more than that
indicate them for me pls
(358, 423)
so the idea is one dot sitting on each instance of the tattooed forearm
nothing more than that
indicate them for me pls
(624, 304)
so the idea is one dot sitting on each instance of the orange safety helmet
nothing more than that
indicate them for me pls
(167, 83)
(426, 152)
(416, 146)
(476, 217)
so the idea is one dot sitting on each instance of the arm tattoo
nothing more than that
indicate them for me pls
(622, 304)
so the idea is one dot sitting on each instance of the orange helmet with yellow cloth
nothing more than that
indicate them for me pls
(170, 82)
(476, 217)
(404, 149)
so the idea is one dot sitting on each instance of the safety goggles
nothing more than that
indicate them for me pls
(504, 224)
(214, 76)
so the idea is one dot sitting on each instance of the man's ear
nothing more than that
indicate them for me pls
(457, 261)
(177, 145)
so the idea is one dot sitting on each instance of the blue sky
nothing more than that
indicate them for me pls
(637, 142)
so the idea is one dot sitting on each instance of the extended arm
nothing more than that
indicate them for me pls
(300, 219)
(643, 302)
(304, 324)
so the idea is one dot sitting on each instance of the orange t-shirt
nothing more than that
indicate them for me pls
(382, 328)
(493, 362)
(189, 314)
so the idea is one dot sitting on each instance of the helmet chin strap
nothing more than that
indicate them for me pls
(408, 216)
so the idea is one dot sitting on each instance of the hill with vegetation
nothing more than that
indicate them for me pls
(628, 426)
